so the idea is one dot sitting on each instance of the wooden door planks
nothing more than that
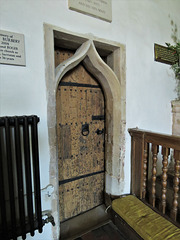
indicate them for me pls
(81, 158)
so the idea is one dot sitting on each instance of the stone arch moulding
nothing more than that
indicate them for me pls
(111, 87)
(111, 76)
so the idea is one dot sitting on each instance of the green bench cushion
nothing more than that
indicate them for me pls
(147, 223)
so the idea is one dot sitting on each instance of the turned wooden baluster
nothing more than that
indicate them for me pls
(155, 150)
(144, 170)
(165, 153)
(176, 184)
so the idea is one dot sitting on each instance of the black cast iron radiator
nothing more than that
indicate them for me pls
(20, 198)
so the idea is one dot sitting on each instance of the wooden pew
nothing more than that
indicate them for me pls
(143, 215)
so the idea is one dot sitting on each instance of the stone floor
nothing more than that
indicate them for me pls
(106, 232)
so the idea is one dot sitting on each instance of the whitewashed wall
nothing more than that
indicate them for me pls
(136, 23)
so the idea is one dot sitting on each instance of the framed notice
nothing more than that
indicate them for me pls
(165, 55)
(12, 50)
(98, 8)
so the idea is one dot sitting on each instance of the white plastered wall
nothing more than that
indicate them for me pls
(150, 86)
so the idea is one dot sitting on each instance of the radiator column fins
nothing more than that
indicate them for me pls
(20, 178)
(20, 195)
(10, 178)
(35, 155)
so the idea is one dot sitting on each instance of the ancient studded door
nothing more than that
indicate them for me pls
(80, 131)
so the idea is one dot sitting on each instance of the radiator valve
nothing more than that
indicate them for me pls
(49, 218)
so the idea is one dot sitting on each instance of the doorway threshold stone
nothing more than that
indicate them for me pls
(83, 223)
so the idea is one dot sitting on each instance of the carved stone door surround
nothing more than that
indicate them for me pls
(112, 78)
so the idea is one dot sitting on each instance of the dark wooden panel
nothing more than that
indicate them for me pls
(124, 227)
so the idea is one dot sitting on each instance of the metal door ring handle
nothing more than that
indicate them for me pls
(85, 132)
(85, 129)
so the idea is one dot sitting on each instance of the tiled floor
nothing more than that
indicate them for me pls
(105, 232)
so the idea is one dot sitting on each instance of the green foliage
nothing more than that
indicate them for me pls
(176, 67)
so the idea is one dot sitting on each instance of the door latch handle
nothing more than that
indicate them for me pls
(99, 132)
(85, 129)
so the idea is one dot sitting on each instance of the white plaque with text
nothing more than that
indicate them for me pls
(98, 8)
(12, 48)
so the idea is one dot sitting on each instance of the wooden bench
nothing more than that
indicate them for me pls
(143, 222)
(142, 215)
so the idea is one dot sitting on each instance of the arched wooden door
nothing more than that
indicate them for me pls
(80, 131)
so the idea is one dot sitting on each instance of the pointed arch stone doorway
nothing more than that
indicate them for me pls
(113, 86)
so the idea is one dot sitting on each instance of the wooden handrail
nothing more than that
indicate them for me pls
(141, 142)
(165, 140)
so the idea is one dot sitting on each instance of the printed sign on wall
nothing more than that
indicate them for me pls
(12, 48)
(98, 8)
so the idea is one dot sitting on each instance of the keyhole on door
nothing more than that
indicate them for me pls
(99, 132)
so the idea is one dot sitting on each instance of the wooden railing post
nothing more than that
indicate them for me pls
(144, 170)
(137, 157)
(165, 153)
(176, 185)
(155, 150)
